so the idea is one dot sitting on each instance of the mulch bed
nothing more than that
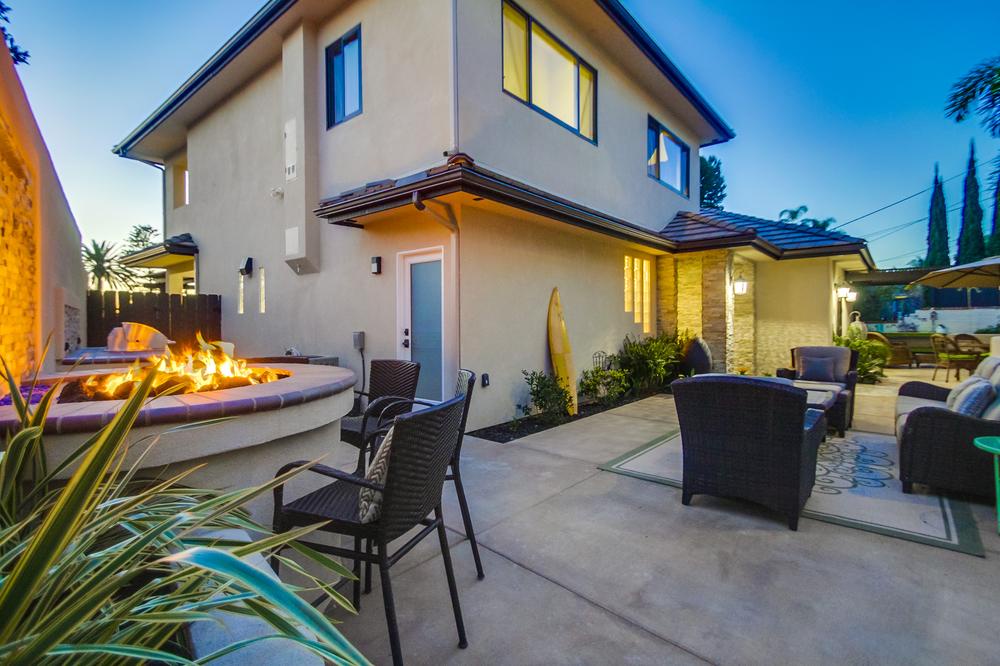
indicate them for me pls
(529, 425)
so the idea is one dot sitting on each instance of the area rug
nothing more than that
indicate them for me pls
(857, 485)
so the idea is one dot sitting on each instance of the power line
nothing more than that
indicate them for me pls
(896, 203)
(899, 227)
(905, 254)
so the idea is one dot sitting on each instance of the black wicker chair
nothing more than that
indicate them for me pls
(423, 445)
(935, 443)
(748, 438)
(841, 415)
(391, 379)
(464, 385)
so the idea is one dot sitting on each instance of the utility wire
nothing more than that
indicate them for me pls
(895, 203)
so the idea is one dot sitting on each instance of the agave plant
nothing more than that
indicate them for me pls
(105, 567)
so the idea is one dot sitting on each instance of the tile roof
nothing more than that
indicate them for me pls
(709, 225)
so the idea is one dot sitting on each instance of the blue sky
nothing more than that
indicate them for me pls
(838, 106)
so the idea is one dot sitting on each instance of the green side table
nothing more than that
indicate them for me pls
(992, 445)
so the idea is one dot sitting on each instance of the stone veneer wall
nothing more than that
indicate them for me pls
(742, 324)
(18, 260)
(692, 290)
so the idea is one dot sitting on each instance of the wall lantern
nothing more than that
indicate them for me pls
(246, 269)
(843, 290)
(740, 285)
(851, 296)
(376, 265)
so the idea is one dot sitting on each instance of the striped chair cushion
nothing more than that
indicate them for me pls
(988, 366)
(974, 398)
(957, 391)
(369, 499)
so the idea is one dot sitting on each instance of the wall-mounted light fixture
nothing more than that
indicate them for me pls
(740, 285)
(376, 265)
(851, 296)
(843, 290)
(246, 269)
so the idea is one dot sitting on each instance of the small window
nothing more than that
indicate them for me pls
(639, 291)
(541, 71)
(667, 158)
(343, 78)
(182, 196)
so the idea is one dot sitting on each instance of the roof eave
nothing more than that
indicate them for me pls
(624, 19)
(257, 24)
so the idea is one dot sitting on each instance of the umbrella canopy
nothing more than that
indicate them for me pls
(976, 275)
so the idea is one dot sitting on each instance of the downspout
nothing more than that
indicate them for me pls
(454, 78)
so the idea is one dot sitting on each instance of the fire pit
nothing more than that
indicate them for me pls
(279, 413)
(191, 372)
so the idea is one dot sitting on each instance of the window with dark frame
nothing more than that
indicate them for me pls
(545, 74)
(343, 78)
(667, 158)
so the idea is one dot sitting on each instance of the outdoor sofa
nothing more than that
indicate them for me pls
(935, 438)
(751, 438)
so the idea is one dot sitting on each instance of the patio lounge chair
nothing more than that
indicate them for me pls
(748, 438)
(391, 380)
(935, 442)
(842, 379)
(899, 352)
(948, 356)
(423, 444)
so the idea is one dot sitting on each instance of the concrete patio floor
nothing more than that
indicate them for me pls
(590, 567)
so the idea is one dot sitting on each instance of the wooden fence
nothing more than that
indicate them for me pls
(176, 316)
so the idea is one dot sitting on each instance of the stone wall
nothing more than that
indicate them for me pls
(692, 293)
(742, 324)
(666, 293)
(18, 260)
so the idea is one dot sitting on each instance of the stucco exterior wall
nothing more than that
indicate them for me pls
(794, 302)
(509, 266)
(505, 135)
(42, 281)
(406, 82)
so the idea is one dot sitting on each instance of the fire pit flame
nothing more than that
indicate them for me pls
(190, 372)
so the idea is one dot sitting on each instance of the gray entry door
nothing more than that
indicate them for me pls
(426, 325)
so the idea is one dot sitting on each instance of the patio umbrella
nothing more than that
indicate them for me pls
(976, 275)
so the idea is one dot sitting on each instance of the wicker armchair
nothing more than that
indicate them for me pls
(423, 444)
(948, 356)
(899, 353)
(841, 415)
(391, 379)
(935, 443)
(748, 438)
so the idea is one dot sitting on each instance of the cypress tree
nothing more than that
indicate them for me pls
(937, 228)
(993, 244)
(971, 244)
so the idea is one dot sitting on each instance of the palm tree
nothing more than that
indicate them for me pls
(793, 214)
(102, 261)
(978, 92)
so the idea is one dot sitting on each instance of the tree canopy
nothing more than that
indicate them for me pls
(993, 242)
(937, 228)
(798, 215)
(713, 183)
(978, 92)
(971, 243)
(17, 54)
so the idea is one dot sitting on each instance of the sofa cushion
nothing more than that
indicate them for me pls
(816, 369)
(974, 398)
(992, 411)
(906, 404)
(841, 358)
(959, 387)
(987, 367)
(833, 387)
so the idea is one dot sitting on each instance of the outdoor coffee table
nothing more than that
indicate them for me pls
(992, 445)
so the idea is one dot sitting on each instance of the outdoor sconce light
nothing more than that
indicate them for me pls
(376, 265)
(843, 290)
(851, 296)
(246, 269)
(740, 285)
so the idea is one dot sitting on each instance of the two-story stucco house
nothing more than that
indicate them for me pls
(428, 171)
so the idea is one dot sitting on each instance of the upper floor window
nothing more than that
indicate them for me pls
(543, 72)
(667, 158)
(343, 78)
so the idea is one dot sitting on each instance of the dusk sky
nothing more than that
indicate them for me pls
(839, 106)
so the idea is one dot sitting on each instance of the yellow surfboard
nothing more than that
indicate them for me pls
(560, 349)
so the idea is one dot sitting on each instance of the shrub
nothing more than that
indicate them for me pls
(872, 358)
(653, 362)
(605, 385)
(105, 568)
(548, 397)
(994, 329)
